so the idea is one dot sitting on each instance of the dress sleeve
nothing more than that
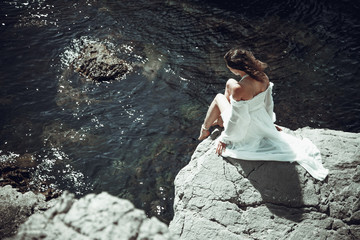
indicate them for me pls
(236, 126)
(269, 103)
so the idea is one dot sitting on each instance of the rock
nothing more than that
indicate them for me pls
(217, 198)
(155, 61)
(98, 63)
(57, 134)
(16, 207)
(18, 172)
(99, 216)
(15, 170)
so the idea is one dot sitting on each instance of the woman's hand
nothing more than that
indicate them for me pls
(220, 148)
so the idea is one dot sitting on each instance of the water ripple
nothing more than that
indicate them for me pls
(131, 137)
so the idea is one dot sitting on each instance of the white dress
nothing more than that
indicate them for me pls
(250, 134)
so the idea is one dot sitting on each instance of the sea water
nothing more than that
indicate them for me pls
(130, 137)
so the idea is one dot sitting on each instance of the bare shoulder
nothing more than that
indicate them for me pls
(231, 83)
(238, 92)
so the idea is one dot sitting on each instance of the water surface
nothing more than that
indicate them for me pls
(131, 137)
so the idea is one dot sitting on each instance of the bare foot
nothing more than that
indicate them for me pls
(204, 133)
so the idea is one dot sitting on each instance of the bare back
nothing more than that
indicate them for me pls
(248, 88)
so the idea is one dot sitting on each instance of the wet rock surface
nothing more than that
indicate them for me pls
(99, 216)
(98, 63)
(217, 198)
(16, 207)
(18, 172)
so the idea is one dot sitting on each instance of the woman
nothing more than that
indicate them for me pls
(246, 112)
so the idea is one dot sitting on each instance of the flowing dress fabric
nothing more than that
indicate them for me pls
(250, 134)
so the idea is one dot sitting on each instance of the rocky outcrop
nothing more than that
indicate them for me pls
(217, 198)
(99, 216)
(98, 63)
(16, 207)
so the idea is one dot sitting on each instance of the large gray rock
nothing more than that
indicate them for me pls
(16, 207)
(99, 216)
(217, 198)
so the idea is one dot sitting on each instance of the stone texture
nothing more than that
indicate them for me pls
(16, 207)
(99, 216)
(98, 63)
(217, 198)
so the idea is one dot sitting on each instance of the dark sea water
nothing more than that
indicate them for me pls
(131, 137)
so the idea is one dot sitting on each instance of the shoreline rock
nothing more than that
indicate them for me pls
(100, 216)
(16, 207)
(215, 198)
(218, 198)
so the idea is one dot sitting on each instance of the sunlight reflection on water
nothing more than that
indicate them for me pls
(130, 137)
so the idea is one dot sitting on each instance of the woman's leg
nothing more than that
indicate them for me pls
(229, 84)
(218, 105)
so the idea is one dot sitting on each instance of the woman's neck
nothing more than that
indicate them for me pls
(243, 74)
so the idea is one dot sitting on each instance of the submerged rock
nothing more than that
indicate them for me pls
(99, 216)
(155, 61)
(217, 198)
(98, 63)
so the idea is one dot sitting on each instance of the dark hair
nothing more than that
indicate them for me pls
(244, 60)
